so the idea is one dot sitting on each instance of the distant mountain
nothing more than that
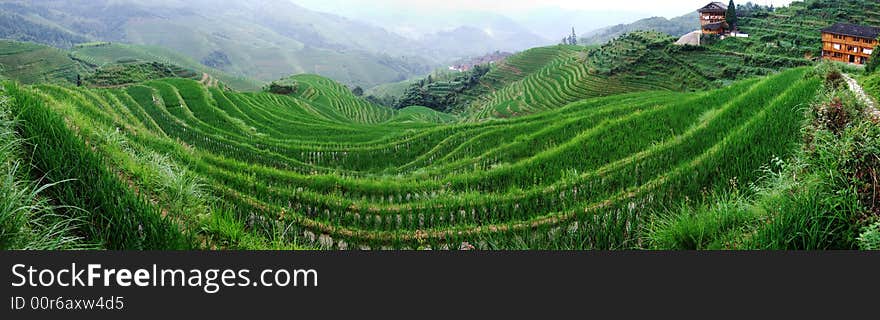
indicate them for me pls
(99, 64)
(554, 23)
(471, 41)
(450, 34)
(263, 39)
(15, 27)
(675, 27)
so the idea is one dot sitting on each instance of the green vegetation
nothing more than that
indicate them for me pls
(794, 31)
(104, 64)
(442, 96)
(639, 61)
(675, 27)
(33, 63)
(108, 54)
(821, 198)
(18, 28)
(263, 41)
(635, 144)
(324, 168)
(135, 72)
(112, 214)
(27, 218)
(730, 16)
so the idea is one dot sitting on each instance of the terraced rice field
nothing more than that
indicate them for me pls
(545, 78)
(325, 169)
(33, 63)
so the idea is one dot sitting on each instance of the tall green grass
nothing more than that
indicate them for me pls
(817, 199)
(113, 216)
(322, 169)
(28, 220)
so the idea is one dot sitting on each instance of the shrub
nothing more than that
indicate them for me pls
(874, 61)
(834, 79)
(833, 116)
(281, 88)
(870, 237)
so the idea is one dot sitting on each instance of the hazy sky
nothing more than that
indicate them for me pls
(667, 8)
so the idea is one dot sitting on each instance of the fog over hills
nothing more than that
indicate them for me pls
(549, 19)
(362, 43)
(262, 39)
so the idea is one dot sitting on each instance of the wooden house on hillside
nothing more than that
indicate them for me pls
(849, 43)
(712, 18)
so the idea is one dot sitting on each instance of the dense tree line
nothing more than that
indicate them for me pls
(750, 9)
(281, 88)
(441, 96)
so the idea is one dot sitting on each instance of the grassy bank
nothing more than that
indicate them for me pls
(823, 197)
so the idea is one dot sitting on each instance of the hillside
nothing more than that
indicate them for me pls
(302, 164)
(104, 64)
(103, 54)
(675, 27)
(120, 74)
(547, 78)
(794, 31)
(264, 40)
(18, 28)
(32, 63)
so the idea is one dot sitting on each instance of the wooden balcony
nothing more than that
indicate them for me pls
(847, 40)
(855, 50)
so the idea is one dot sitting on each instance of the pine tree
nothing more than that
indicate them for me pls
(573, 39)
(730, 16)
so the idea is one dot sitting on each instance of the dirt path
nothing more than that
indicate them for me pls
(871, 109)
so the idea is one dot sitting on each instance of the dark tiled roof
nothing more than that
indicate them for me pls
(714, 7)
(716, 26)
(853, 30)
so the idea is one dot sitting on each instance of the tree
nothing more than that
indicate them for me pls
(358, 91)
(730, 16)
(281, 88)
(574, 39)
(874, 61)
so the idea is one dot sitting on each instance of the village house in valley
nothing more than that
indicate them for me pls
(849, 43)
(712, 19)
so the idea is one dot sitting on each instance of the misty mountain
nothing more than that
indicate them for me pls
(453, 34)
(263, 39)
(271, 39)
(480, 33)
(555, 23)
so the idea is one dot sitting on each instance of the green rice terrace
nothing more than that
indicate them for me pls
(545, 78)
(744, 143)
(172, 164)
